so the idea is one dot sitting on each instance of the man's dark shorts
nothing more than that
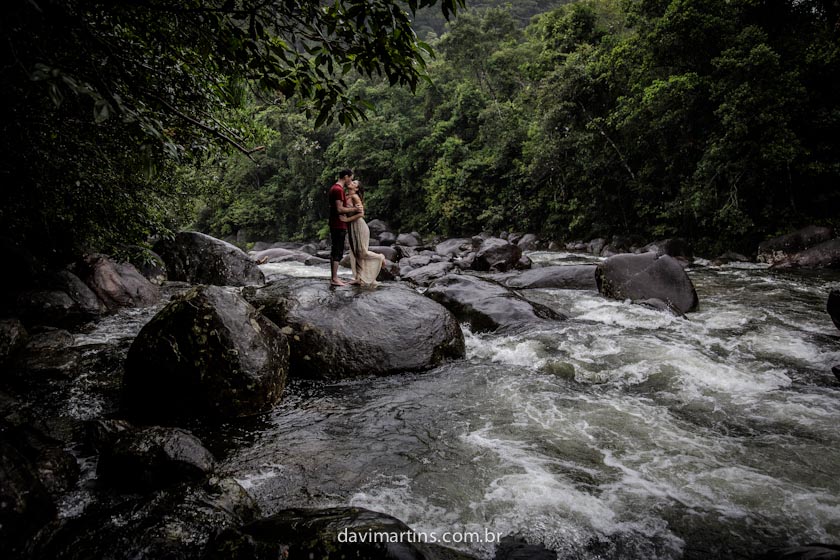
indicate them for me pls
(337, 237)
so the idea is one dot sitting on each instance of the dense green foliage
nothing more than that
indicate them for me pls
(101, 100)
(717, 121)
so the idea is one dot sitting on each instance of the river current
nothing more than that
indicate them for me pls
(623, 432)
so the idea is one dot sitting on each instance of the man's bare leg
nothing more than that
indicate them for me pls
(335, 280)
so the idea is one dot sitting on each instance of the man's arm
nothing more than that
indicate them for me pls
(344, 209)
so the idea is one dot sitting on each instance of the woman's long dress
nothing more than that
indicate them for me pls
(365, 264)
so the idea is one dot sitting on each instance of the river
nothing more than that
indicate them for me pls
(623, 432)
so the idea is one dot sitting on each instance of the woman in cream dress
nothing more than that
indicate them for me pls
(365, 264)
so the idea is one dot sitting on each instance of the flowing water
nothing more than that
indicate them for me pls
(623, 432)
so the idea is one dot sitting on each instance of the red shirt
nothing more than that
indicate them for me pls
(336, 193)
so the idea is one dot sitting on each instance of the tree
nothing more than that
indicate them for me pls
(101, 98)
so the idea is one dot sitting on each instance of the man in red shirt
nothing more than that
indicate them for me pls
(338, 229)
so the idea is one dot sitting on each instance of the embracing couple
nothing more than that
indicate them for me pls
(347, 213)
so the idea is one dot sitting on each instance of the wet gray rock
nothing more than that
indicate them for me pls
(377, 228)
(824, 255)
(386, 238)
(352, 331)
(425, 275)
(524, 263)
(528, 242)
(207, 353)
(572, 277)
(497, 254)
(781, 248)
(389, 252)
(48, 353)
(61, 300)
(117, 284)
(200, 259)
(333, 533)
(676, 247)
(513, 547)
(454, 247)
(487, 305)
(409, 239)
(728, 257)
(174, 523)
(597, 245)
(55, 468)
(805, 552)
(646, 276)
(154, 457)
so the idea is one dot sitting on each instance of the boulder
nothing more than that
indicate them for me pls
(387, 238)
(824, 255)
(487, 305)
(200, 259)
(728, 257)
(528, 242)
(25, 504)
(409, 239)
(63, 300)
(782, 247)
(310, 248)
(55, 468)
(377, 228)
(572, 277)
(513, 547)
(610, 251)
(454, 247)
(597, 245)
(676, 247)
(261, 246)
(355, 331)
(154, 457)
(524, 263)
(118, 284)
(646, 276)
(425, 275)
(333, 533)
(48, 353)
(389, 271)
(151, 266)
(174, 523)
(278, 255)
(833, 307)
(389, 252)
(207, 353)
(497, 254)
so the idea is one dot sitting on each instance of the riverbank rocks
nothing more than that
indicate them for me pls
(833, 307)
(13, 336)
(207, 353)
(174, 523)
(353, 331)
(200, 259)
(61, 299)
(676, 247)
(117, 284)
(425, 275)
(570, 277)
(781, 248)
(824, 255)
(487, 305)
(154, 457)
(496, 254)
(377, 228)
(333, 534)
(409, 239)
(647, 276)
(454, 247)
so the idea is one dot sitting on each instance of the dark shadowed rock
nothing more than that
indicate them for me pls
(487, 305)
(389, 271)
(175, 523)
(49, 352)
(597, 245)
(517, 548)
(572, 277)
(804, 552)
(207, 353)
(200, 259)
(784, 246)
(389, 252)
(151, 266)
(13, 337)
(154, 457)
(25, 504)
(377, 228)
(824, 255)
(55, 468)
(326, 534)
(730, 256)
(497, 254)
(117, 284)
(62, 300)
(646, 276)
(355, 331)
(425, 275)
(833, 307)
(524, 263)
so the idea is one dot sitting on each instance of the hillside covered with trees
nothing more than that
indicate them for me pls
(719, 122)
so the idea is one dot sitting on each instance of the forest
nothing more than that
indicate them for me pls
(718, 122)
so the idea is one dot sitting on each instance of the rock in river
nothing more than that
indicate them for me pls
(647, 276)
(200, 259)
(355, 331)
